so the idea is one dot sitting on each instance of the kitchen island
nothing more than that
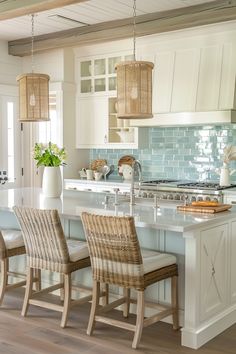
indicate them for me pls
(204, 245)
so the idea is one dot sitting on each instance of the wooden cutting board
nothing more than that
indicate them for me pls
(203, 209)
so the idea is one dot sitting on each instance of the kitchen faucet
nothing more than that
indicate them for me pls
(136, 166)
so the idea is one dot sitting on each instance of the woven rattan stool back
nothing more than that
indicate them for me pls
(114, 250)
(44, 238)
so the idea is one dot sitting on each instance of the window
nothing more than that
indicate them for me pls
(50, 131)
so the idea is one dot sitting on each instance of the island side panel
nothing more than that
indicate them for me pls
(209, 308)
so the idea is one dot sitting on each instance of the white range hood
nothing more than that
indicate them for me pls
(187, 118)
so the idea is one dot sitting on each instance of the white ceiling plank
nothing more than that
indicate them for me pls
(12, 9)
(90, 12)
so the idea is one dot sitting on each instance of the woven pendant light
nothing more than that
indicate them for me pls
(134, 85)
(33, 92)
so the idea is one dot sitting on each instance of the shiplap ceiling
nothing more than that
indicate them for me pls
(83, 14)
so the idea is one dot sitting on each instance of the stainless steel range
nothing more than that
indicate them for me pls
(174, 190)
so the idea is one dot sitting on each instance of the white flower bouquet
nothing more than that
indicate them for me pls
(229, 154)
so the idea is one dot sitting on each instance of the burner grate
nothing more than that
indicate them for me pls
(204, 185)
(158, 181)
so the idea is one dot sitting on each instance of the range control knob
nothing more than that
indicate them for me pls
(208, 198)
(144, 194)
(164, 196)
(193, 199)
(170, 196)
(150, 195)
(177, 197)
(199, 198)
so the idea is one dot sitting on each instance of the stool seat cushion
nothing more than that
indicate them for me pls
(77, 250)
(153, 260)
(12, 238)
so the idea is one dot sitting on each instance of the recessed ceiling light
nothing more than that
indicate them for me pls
(67, 20)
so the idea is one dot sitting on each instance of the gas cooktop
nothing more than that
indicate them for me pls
(187, 184)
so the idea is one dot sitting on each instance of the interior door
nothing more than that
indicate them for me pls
(10, 155)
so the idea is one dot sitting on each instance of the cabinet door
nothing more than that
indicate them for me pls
(214, 268)
(209, 78)
(233, 263)
(92, 116)
(185, 77)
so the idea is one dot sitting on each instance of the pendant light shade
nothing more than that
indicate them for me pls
(134, 89)
(33, 92)
(33, 97)
(134, 85)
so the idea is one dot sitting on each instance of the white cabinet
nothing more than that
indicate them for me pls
(98, 127)
(91, 123)
(233, 263)
(214, 270)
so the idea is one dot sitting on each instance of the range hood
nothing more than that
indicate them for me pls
(187, 118)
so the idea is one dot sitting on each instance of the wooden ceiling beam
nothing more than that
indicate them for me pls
(208, 13)
(14, 9)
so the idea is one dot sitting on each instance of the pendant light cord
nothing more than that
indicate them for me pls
(32, 42)
(134, 29)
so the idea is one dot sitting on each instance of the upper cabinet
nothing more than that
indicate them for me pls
(96, 115)
(97, 74)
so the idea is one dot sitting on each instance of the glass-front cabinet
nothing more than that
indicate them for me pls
(96, 111)
(98, 74)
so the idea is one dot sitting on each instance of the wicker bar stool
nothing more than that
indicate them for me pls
(11, 245)
(116, 258)
(46, 248)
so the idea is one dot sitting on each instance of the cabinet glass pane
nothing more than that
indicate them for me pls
(99, 67)
(99, 85)
(112, 83)
(85, 68)
(85, 86)
(111, 64)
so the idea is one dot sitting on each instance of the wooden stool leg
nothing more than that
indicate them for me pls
(139, 319)
(105, 299)
(28, 291)
(95, 303)
(126, 305)
(174, 302)
(62, 292)
(67, 299)
(38, 285)
(3, 279)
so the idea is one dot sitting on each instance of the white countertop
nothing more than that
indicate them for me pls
(72, 203)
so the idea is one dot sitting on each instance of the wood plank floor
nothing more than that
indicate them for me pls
(40, 333)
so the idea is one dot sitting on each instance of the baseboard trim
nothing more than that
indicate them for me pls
(196, 338)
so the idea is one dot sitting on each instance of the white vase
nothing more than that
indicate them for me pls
(52, 183)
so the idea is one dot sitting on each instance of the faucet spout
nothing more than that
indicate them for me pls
(136, 167)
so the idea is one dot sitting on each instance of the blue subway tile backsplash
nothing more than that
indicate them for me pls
(193, 152)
